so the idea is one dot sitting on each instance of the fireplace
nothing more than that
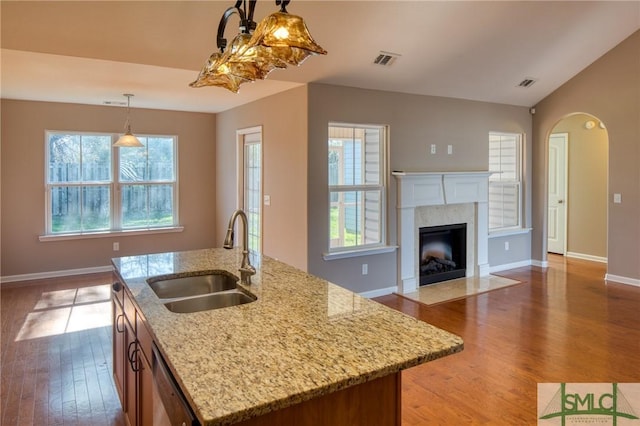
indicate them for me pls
(428, 199)
(443, 253)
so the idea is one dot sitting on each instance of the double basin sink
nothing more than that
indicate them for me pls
(201, 291)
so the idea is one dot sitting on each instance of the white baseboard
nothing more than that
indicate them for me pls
(587, 257)
(622, 280)
(540, 263)
(506, 266)
(379, 292)
(54, 274)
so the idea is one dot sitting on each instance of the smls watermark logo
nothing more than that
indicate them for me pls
(616, 404)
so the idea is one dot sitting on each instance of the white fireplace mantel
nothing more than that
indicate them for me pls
(422, 189)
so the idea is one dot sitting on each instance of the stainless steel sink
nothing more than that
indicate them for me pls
(205, 283)
(210, 301)
(203, 291)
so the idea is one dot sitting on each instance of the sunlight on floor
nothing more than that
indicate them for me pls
(66, 311)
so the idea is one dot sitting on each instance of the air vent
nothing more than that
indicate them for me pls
(527, 82)
(385, 59)
(118, 103)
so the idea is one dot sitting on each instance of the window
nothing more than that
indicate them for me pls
(505, 185)
(93, 187)
(356, 186)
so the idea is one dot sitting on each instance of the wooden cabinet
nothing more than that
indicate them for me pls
(118, 334)
(132, 372)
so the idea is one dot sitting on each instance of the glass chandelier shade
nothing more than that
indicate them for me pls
(279, 40)
(215, 73)
(284, 30)
(128, 139)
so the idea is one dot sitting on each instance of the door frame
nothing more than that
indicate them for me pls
(240, 135)
(566, 188)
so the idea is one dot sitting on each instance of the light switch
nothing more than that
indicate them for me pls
(449, 149)
(433, 148)
(617, 198)
(267, 200)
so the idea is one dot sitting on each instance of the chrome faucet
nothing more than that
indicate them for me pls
(246, 269)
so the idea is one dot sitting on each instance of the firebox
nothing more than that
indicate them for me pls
(443, 253)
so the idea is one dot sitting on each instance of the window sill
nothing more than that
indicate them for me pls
(107, 234)
(359, 252)
(509, 232)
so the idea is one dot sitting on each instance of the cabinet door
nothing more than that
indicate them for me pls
(131, 375)
(119, 363)
(145, 374)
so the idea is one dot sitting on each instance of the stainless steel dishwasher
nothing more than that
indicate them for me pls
(170, 407)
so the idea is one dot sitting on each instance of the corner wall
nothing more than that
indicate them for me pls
(283, 118)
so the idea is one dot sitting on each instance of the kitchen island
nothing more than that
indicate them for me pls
(303, 340)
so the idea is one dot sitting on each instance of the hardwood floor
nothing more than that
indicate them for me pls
(56, 353)
(563, 325)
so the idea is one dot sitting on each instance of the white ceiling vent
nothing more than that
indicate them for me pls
(527, 82)
(385, 59)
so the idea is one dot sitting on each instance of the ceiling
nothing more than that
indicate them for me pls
(90, 52)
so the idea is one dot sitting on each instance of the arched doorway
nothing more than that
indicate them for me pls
(578, 187)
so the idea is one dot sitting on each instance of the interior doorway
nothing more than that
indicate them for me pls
(578, 188)
(557, 200)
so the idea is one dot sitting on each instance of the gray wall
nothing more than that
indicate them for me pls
(610, 90)
(415, 123)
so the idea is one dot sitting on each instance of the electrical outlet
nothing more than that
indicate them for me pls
(506, 245)
(617, 198)
(116, 246)
(433, 148)
(365, 269)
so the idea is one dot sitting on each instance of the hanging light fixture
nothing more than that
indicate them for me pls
(278, 40)
(128, 139)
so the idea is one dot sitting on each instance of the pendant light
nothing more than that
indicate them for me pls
(128, 139)
(279, 40)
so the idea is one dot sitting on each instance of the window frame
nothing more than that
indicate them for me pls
(496, 180)
(115, 187)
(360, 249)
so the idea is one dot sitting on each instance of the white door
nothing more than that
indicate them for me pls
(557, 223)
(250, 184)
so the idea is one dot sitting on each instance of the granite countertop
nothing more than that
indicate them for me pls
(303, 337)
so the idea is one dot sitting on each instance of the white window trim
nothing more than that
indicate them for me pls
(359, 252)
(508, 232)
(368, 249)
(108, 234)
(520, 228)
(116, 186)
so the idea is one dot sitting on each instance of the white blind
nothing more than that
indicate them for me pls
(505, 183)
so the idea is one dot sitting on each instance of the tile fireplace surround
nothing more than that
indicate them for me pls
(442, 198)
